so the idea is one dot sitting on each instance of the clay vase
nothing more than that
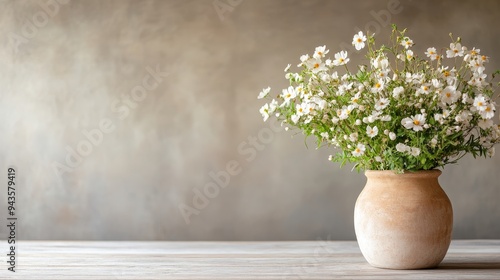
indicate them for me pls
(403, 221)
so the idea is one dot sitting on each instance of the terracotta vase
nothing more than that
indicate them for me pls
(403, 221)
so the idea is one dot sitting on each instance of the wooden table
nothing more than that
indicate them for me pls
(472, 259)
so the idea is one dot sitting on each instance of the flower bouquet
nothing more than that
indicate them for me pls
(400, 111)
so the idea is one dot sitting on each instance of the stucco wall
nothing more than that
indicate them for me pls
(153, 96)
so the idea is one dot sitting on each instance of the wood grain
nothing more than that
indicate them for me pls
(471, 259)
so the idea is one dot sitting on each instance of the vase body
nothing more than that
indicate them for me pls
(403, 221)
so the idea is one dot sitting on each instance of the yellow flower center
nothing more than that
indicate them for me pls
(316, 65)
(488, 109)
(359, 40)
(479, 103)
(483, 57)
(448, 94)
(455, 51)
(378, 85)
(426, 88)
(416, 122)
(358, 150)
(341, 59)
(446, 73)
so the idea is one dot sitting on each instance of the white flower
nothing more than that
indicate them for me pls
(335, 76)
(330, 157)
(378, 159)
(480, 103)
(477, 64)
(485, 124)
(423, 89)
(341, 58)
(320, 102)
(288, 94)
(378, 86)
(264, 93)
(437, 83)
(409, 54)
(343, 88)
(415, 151)
(345, 112)
(295, 118)
(414, 122)
(311, 108)
(397, 91)
(407, 42)
(434, 142)
(355, 99)
(320, 52)
(381, 104)
(324, 135)
(384, 74)
(446, 113)
(264, 111)
(386, 118)
(478, 80)
(287, 67)
(353, 137)
(455, 50)
(463, 116)
(359, 41)
(273, 105)
(400, 147)
(316, 65)
(392, 136)
(359, 150)
(371, 131)
(450, 95)
(491, 151)
(358, 122)
(488, 112)
(472, 54)
(369, 119)
(325, 77)
(297, 77)
(484, 59)
(380, 62)
(431, 52)
(300, 109)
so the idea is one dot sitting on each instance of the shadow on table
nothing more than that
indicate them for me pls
(470, 265)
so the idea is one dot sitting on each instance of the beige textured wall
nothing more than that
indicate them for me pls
(71, 68)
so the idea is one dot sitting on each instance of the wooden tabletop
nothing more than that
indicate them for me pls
(466, 259)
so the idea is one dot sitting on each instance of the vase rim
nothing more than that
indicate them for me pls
(417, 174)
